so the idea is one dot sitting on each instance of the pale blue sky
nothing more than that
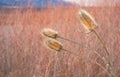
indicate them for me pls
(24, 3)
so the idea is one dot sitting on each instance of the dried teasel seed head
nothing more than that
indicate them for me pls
(87, 21)
(49, 33)
(53, 44)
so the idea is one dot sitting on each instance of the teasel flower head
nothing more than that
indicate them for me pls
(53, 44)
(49, 33)
(87, 21)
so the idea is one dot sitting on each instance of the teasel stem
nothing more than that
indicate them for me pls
(95, 52)
(101, 41)
(72, 53)
(107, 52)
(102, 68)
(89, 60)
(100, 56)
(74, 42)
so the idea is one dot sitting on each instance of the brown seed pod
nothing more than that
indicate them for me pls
(53, 44)
(87, 21)
(54, 34)
(49, 33)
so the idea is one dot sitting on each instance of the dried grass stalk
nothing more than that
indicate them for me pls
(53, 44)
(87, 20)
(49, 33)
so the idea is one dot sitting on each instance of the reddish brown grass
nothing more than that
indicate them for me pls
(22, 53)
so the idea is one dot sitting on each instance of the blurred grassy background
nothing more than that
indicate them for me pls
(22, 53)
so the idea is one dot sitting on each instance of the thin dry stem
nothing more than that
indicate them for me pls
(90, 61)
(74, 42)
(109, 64)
